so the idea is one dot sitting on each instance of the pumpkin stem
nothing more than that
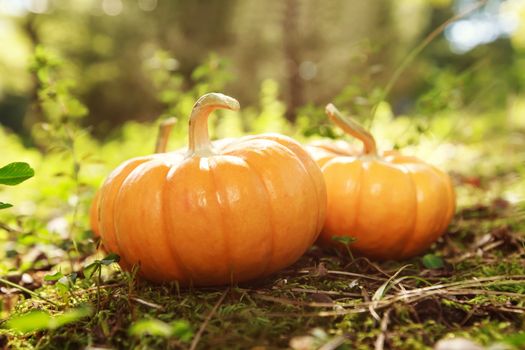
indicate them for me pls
(164, 134)
(199, 139)
(352, 127)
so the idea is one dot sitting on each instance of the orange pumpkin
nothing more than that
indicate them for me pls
(93, 214)
(212, 215)
(324, 150)
(395, 206)
(160, 147)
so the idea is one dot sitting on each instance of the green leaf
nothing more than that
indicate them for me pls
(53, 277)
(432, 261)
(346, 240)
(182, 330)
(90, 270)
(15, 173)
(110, 259)
(517, 340)
(30, 322)
(151, 327)
(381, 291)
(39, 320)
(5, 205)
(70, 316)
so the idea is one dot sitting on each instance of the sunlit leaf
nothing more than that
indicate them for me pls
(70, 316)
(91, 269)
(40, 320)
(5, 205)
(30, 322)
(182, 330)
(151, 327)
(15, 173)
(53, 277)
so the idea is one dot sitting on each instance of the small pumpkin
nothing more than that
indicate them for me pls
(395, 206)
(160, 147)
(324, 150)
(213, 214)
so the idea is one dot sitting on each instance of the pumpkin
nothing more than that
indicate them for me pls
(324, 150)
(160, 147)
(93, 214)
(213, 214)
(395, 206)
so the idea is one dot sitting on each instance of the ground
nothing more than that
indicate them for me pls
(64, 294)
(472, 284)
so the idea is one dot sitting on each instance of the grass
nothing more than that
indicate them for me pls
(471, 283)
(327, 300)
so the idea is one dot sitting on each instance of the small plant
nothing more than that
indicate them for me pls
(94, 271)
(346, 241)
(13, 174)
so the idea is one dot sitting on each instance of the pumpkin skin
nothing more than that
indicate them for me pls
(213, 215)
(323, 150)
(395, 206)
(93, 214)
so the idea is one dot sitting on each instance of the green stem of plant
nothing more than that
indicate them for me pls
(28, 291)
(349, 252)
(99, 282)
(76, 171)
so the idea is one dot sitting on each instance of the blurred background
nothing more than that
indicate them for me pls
(84, 83)
(315, 51)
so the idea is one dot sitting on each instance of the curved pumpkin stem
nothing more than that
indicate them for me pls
(164, 134)
(352, 127)
(199, 139)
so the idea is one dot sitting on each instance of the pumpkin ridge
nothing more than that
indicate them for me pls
(358, 196)
(176, 256)
(304, 167)
(412, 232)
(222, 208)
(275, 138)
(103, 196)
(270, 216)
(116, 212)
(143, 254)
(320, 223)
(148, 253)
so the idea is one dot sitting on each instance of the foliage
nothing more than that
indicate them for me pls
(13, 174)
(41, 320)
(59, 291)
